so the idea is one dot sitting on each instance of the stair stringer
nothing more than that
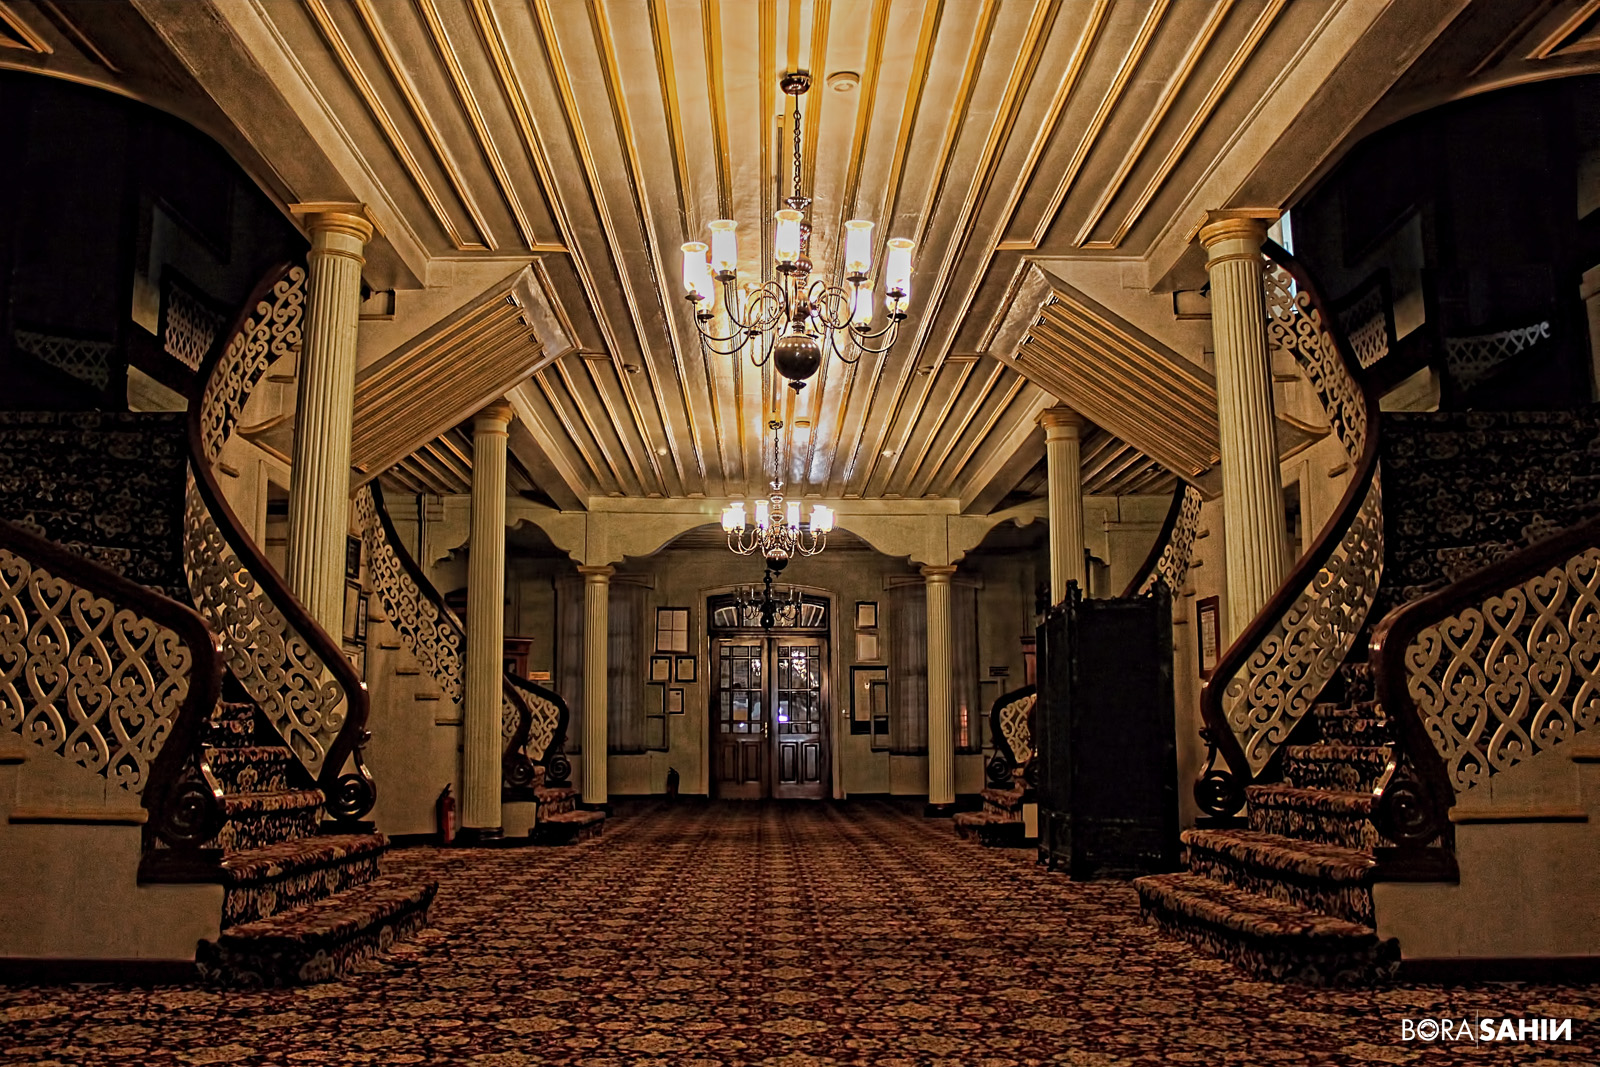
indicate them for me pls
(1525, 850)
(70, 846)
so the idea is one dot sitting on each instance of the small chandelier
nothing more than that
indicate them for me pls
(777, 531)
(792, 319)
(768, 608)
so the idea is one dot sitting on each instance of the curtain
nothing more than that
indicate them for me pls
(569, 656)
(908, 669)
(624, 668)
(965, 705)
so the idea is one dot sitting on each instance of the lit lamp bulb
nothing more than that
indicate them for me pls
(861, 306)
(857, 249)
(897, 275)
(763, 516)
(697, 273)
(733, 517)
(724, 249)
(794, 515)
(821, 518)
(786, 242)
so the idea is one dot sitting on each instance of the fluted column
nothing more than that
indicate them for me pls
(1063, 458)
(596, 633)
(941, 729)
(482, 738)
(1252, 487)
(319, 484)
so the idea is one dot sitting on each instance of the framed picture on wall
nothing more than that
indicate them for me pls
(683, 669)
(672, 629)
(868, 691)
(361, 618)
(674, 701)
(352, 556)
(866, 646)
(1208, 633)
(660, 668)
(866, 614)
(353, 610)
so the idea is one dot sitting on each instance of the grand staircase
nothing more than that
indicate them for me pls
(299, 905)
(1286, 891)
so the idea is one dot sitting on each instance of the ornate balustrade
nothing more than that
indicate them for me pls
(284, 660)
(116, 678)
(430, 630)
(1168, 559)
(1011, 726)
(1481, 676)
(1265, 683)
(533, 718)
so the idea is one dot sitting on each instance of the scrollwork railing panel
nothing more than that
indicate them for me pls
(430, 630)
(1512, 676)
(1168, 561)
(112, 676)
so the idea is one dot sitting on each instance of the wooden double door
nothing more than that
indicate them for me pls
(769, 701)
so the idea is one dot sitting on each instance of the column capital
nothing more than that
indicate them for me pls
(494, 418)
(338, 216)
(1234, 224)
(596, 572)
(1061, 421)
(940, 573)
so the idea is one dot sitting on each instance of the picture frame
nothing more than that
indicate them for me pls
(866, 615)
(660, 668)
(869, 687)
(867, 646)
(672, 629)
(354, 608)
(674, 701)
(1208, 633)
(352, 557)
(361, 618)
(683, 668)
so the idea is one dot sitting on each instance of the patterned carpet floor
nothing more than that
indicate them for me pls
(715, 935)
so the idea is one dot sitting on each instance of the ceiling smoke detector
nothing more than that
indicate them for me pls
(844, 81)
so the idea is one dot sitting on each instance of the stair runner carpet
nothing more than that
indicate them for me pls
(298, 906)
(998, 823)
(560, 820)
(1290, 897)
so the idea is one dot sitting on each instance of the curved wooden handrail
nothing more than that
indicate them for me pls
(180, 792)
(1416, 794)
(1003, 767)
(549, 746)
(1164, 542)
(1222, 793)
(438, 643)
(349, 796)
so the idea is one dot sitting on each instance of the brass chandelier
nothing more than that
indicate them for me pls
(777, 532)
(792, 319)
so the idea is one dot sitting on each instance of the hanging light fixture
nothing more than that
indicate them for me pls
(765, 606)
(777, 531)
(792, 319)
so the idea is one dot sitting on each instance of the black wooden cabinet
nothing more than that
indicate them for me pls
(1108, 775)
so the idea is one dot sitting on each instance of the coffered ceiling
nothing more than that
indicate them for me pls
(593, 137)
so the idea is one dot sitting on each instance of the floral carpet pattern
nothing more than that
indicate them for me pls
(715, 935)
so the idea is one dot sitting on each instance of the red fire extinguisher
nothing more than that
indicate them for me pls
(444, 815)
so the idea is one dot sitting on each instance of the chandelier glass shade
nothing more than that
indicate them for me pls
(790, 318)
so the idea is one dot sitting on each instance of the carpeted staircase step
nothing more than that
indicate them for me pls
(1003, 799)
(261, 882)
(318, 942)
(1339, 767)
(1318, 877)
(1362, 724)
(231, 725)
(252, 768)
(555, 801)
(1264, 935)
(567, 827)
(1321, 815)
(258, 819)
(1358, 687)
(994, 829)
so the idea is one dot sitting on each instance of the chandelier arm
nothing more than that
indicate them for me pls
(840, 353)
(713, 345)
(890, 332)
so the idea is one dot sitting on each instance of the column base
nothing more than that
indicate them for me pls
(604, 805)
(473, 836)
(938, 811)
